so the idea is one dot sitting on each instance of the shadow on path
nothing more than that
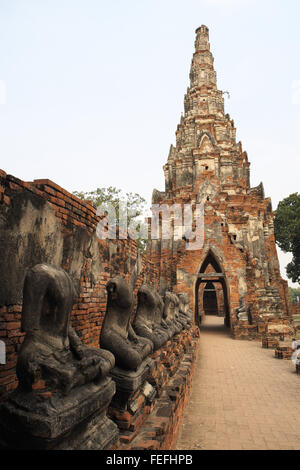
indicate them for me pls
(213, 324)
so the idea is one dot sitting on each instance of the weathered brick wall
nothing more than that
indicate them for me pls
(43, 223)
(245, 250)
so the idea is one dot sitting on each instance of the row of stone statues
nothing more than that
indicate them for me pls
(156, 321)
(64, 383)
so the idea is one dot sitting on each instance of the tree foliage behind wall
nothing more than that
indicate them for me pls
(133, 202)
(294, 295)
(287, 232)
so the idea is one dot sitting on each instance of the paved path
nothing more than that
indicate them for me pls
(241, 397)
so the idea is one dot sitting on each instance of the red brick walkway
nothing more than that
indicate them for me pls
(241, 397)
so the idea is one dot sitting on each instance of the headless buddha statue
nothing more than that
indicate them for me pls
(117, 334)
(148, 321)
(52, 351)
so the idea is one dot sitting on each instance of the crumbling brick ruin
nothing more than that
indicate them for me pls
(208, 166)
(234, 273)
(43, 223)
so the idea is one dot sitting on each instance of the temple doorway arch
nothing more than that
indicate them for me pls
(211, 280)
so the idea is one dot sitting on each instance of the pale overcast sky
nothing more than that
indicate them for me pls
(91, 91)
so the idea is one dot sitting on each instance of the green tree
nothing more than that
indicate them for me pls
(294, 295)
(133, 202)
(287, 232)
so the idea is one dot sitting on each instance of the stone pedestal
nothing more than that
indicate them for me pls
(128, 382)
(77, 421)
(171, 377)
(133, 399)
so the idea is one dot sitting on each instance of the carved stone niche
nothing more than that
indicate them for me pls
(185, 314)
(133, 364)
(64, 389)
(148, 319)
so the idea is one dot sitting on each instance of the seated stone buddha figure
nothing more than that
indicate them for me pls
(185, 313)
(52, 351)
(170, 303)
(147, 322)
(117, 334)
(159, 316)
(64, 386)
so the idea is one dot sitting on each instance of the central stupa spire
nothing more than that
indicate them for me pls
(202, 38)
(203, 92)
(206, 149)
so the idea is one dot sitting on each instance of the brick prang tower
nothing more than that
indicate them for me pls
(238, 257)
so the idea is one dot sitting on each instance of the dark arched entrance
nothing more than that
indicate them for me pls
(210, 274)
(210, 301)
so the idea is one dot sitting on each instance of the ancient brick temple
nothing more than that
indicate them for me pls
(236, 271)
(59, 389)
